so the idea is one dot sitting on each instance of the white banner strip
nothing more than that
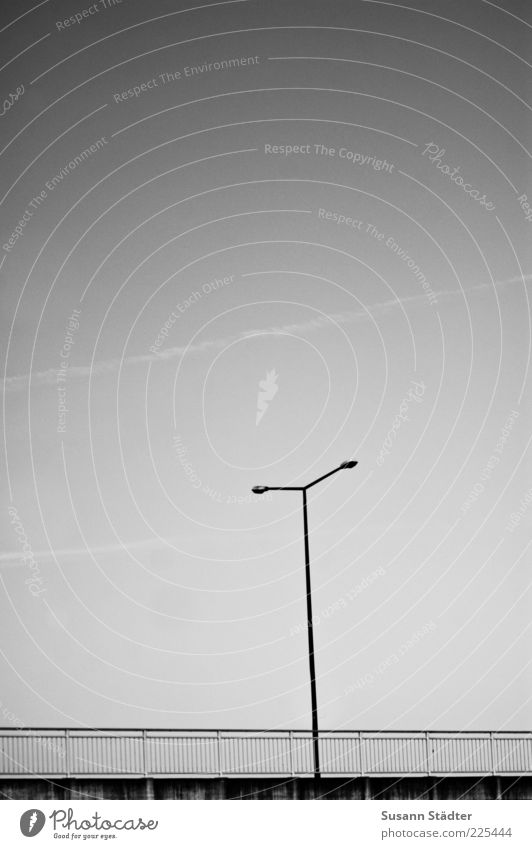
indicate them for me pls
(266, 824)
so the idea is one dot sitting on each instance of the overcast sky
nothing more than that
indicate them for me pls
(268, 237)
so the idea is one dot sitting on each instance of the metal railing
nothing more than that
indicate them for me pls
(157, 753)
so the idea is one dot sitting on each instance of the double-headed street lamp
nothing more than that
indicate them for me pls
(260, 490)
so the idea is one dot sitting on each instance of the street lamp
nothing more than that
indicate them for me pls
(260, 490)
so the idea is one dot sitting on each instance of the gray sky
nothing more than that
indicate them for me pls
(235, 313)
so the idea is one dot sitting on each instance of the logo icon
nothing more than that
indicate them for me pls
(268, 390)
(32, 822)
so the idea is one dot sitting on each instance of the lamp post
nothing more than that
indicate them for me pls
(260, 490)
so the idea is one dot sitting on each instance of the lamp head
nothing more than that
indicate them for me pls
(349, 464)
(259, 490)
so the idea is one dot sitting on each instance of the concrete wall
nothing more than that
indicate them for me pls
(257, 788)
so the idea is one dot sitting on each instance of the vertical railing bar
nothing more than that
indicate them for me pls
(144, 752)
(35, 752)
(67, 752)
(492, 754)
(363, 760)
(290, 752)
(428, 757)
(220, 767)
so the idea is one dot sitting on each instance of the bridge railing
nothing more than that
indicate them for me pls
(170, 753)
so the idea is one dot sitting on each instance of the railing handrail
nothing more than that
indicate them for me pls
(140, 729)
